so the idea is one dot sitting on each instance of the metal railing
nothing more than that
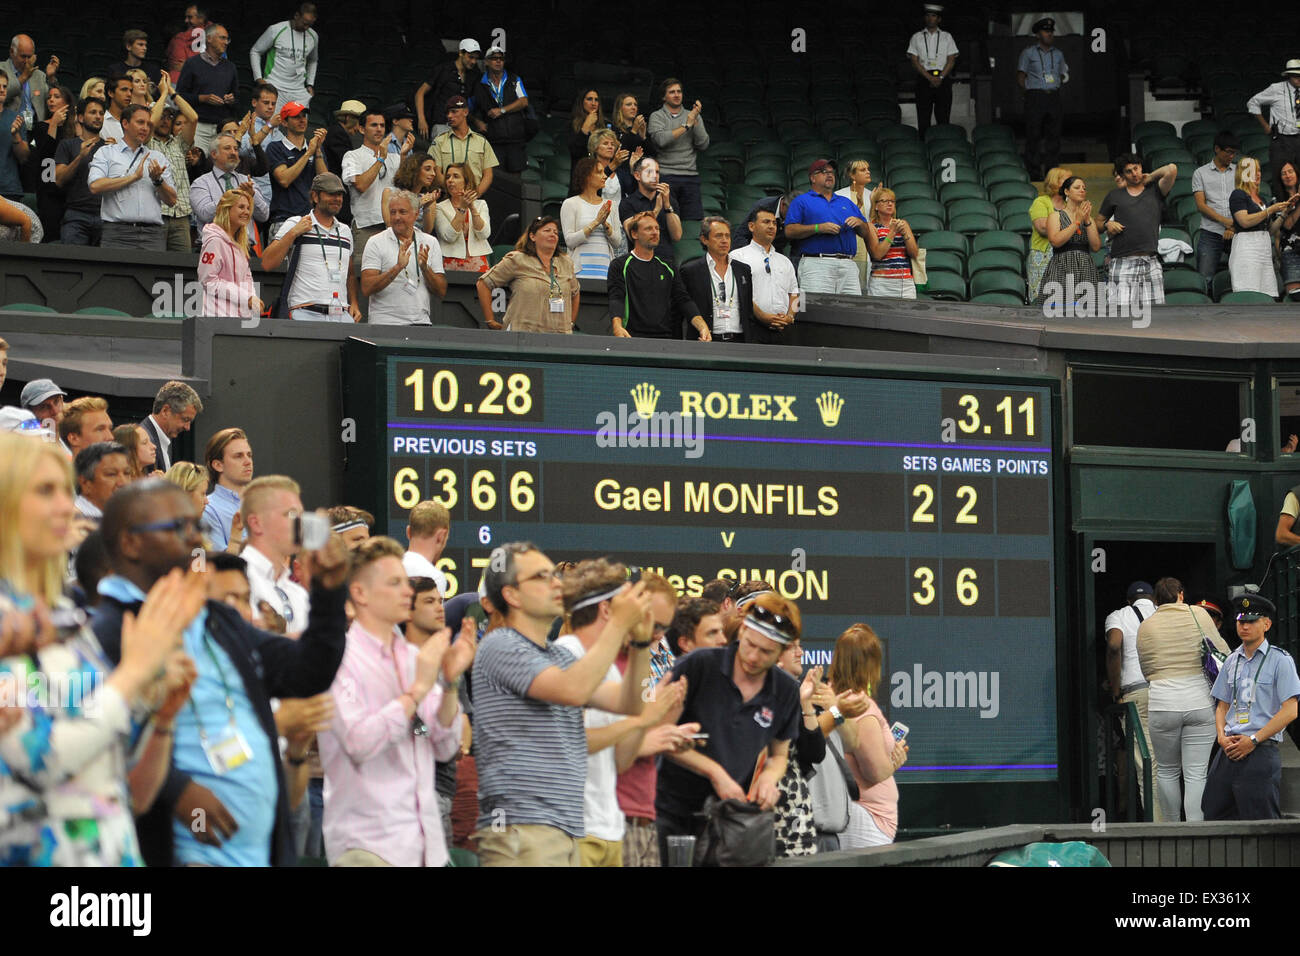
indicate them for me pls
(1286, 595)
(1132, 734)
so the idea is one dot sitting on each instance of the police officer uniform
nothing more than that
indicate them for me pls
(1045, 72)
(1253, 688)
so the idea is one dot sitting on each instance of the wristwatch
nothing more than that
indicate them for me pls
(835, 712)
(1254, 740)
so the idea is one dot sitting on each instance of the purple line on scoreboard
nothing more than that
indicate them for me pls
(1028, 450)
(984, 766)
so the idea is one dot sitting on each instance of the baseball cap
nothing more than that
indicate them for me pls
(457, 103)
(291, 109)
(352, 107)
(820, 164)
(469, 45)
(399, 111)
(327, 183)
(39, 390)
(13, 418)
(493, 51)
(1139, 589)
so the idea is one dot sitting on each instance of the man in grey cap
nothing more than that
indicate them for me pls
(320, 285)
(44, 399)
(1283, 124)
(1256, 693)
(456, 77)
(1126, 681)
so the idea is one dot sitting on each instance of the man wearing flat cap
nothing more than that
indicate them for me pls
(933, 53)
(1256, 692)
(1041, 73)
(1283, 124)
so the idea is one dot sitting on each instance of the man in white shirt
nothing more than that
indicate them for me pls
(367, 170)
(721, 288)
(612, 740)
(776, 286)
(131, 204)
(292, 49)
(1126, 680)
(269, 509)
(1283, 101)
(427, 528)
(324, 286)
(401, 267)
(933, 53)
(118, 91)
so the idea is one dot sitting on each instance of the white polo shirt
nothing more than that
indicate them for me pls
(405, 300)
(365, 205)
(932, 49)
(772, 290)
(324, 258)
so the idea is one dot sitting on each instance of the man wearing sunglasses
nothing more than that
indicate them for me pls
(776, 287)
(747, 705)
(225, 800)
(531, 747)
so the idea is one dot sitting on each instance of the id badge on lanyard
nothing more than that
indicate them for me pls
(229, 752)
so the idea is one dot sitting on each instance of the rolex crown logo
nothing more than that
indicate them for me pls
(830, 405)
(645, 397)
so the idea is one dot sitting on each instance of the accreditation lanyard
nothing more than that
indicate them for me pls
(1049, 79)
(931, 60)
(337, 271)
(232, 750)
(556, 299)
(499, 90)
(1244, 716)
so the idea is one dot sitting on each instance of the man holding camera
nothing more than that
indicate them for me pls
(1283, 124)
(272, 513)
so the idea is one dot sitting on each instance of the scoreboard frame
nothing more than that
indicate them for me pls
(924, 806)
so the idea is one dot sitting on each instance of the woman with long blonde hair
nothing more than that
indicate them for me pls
(1250, 263)
(868, 743)
(228, 288)
(65, 745)
(1040, 210)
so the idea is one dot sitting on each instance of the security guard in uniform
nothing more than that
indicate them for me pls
(1256, 690)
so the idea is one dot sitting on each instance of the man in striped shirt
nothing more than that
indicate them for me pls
(528, 699)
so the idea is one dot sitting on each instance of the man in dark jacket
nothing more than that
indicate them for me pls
(500, 111)
(224, 801)
(721, 288)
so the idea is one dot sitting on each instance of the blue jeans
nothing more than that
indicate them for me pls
(80, 229)
(1209, 256)
(316, 797)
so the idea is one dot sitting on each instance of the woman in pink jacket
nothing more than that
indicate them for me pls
(228, 288)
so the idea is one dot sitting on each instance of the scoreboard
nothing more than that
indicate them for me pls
(923, 505)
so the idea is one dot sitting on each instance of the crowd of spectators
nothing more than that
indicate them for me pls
(298, 685)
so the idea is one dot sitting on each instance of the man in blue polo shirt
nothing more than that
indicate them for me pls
(825, 227)
(1256, 689)
(747, 705)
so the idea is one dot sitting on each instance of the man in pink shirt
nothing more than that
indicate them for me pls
(396, 713)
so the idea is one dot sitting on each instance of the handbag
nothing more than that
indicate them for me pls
(1211, 657)
(832, 788)
(918, 268)
(736, 833)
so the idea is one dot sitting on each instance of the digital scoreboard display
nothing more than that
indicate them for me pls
(921, 506)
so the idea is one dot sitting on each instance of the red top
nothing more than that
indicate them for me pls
(636, 786)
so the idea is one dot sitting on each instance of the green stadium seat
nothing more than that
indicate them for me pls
(743, 194)
(972, 223)
(1202, 127)
(949, 192)
(943, 285)
(1187, 298)
(1009, 207)
(998, 280)
(997, 157)
(1173, 232)
(102, 310)
(945, 131)
(965, 207)
(997, 239)
(923, 223)
(943, 261)
(993, 133)
(499, 253)
(998, 298)
(1018, 222)
(1183, 280)
(1221, 285)
(947, 242)
(1000, 192)
(1247, 298)
(909, 191)
(894, 131)
(26, 307)
(996, 259)
(1006, 173)
(926, 207)
(769, 180)
(1151, 127)
(688, 247)
(765, 150)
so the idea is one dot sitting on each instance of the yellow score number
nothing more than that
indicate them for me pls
(970, 423)
(482, 489)
(968, 592)
(923, 514)
(444, 392)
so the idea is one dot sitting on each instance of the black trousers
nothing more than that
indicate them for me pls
(1246, 789)
(938, 98)
(1043, 118)
(1283, 149)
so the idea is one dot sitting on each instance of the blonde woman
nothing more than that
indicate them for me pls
(193, 479)
(892, 247)
(858, 178)
(228, 288)
(603, 146)
(868, 743)
(142, 92)
(94, 86)
(1250, 262)
(66, 753)
(462, 222)
(1040, 210)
